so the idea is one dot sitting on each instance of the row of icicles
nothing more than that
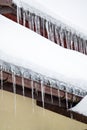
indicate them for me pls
(33, 87)
(53, 32)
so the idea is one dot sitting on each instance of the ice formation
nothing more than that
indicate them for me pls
(50, 25)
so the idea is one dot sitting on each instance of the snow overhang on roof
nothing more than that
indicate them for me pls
(69, 14)
(22, 50)
(81, 107)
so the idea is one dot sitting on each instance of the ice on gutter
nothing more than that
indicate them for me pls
(25, 51)
(57, 12)
(81, 107)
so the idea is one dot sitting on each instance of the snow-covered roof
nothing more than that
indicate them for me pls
(81, 107)
(23, 47)
(70, 14)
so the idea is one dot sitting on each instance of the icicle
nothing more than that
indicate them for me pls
(37, 24)
(23, 85)
(43, 26)
(74, 95)
(57, 36)
(75, 42)
(62, 37)
(47, 29)
(67, 35)
(32, 90)
(50, 31)
(29, 20)
(32, 21)
(24, 18)
(51, 93)
(1, 78)
(14, 82)
(66, 95)
(18, 14)
(42, 92)
(84, 46)
(71, 41)
(59, 97)
(80, 43)
(32, 87)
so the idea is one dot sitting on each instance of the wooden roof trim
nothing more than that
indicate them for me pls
(7, 77)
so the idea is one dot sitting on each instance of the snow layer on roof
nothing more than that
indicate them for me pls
(69, 12)
(81, 107)
(23, 47)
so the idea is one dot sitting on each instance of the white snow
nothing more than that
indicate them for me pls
(23, 47)
(69, 12)
(81, 107)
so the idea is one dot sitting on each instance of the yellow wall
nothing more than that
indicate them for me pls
(21, 113)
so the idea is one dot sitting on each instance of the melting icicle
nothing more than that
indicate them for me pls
(66, 94)
(14, 82)
(74, 95)
(51, 93)
(67, 34)
(57, 36)
(50, 31)
(42, 92)
(18, 14)
(59, 97)
(32, 87)
(32, 21)
(43, 26)
(62, 37)
(37, 24)
(80, 44)
(75, 43)
(84, 46)
(71, 41)
(1, 78)
(23, 85)
(24, 18)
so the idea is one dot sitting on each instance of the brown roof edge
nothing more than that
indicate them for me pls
(37, 86)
